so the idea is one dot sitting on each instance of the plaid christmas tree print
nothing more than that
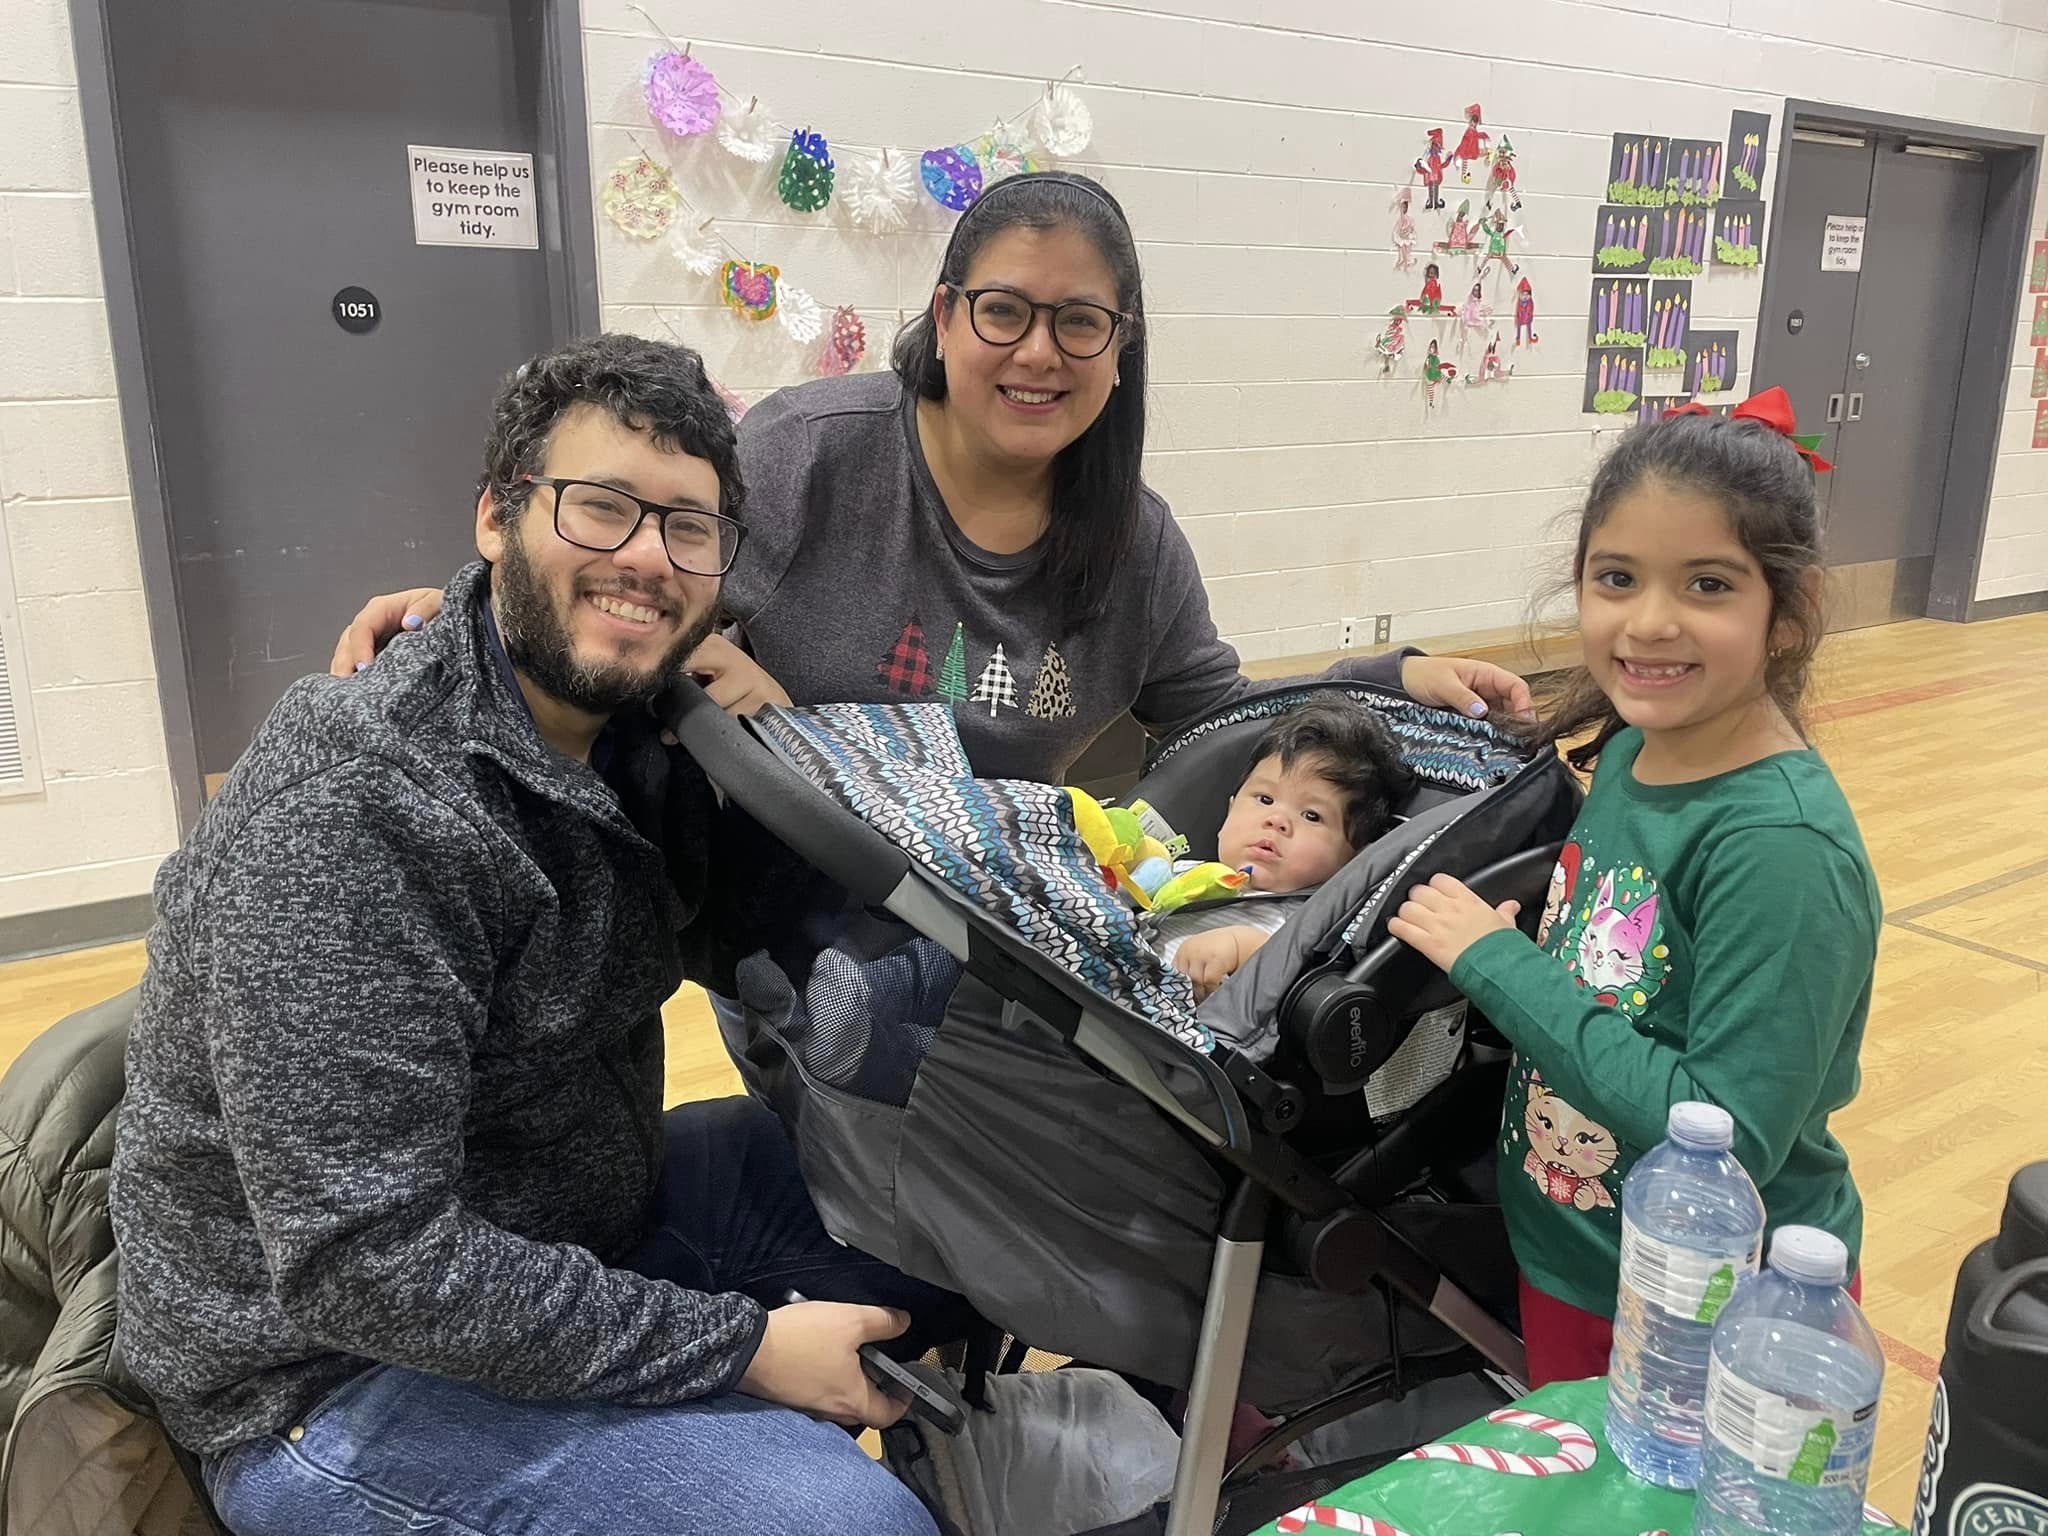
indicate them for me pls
(907, 669)
(1052, 696)
(952, 684)
(996, 687)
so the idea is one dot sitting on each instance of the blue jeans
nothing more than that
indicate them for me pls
(394, 1450)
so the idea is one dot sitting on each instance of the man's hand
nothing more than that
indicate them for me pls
(1444, 918)
(736, 682)
(1474, 688)
(381, 619)
(809, 1359)
(1212, 958)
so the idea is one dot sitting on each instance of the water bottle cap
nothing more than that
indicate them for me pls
(1707, 1127)
(1809, 1255)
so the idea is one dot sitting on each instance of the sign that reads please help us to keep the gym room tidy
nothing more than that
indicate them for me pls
(472, 197)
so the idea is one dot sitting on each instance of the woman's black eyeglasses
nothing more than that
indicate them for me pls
(1002, 318)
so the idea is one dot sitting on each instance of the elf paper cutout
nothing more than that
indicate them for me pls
(2037, 270)
(2041, 425)
(1525, 313)
(2039, 337)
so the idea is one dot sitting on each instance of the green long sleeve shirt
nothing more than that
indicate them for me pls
(1711, 941)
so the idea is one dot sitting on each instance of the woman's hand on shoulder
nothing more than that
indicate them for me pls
(1474, 688)
(382, 618)
(736, 682)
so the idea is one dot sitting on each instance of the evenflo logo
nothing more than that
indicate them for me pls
(1987, 1509)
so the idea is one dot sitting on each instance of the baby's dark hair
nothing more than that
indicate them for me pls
(1349, 745)
(1765, 488)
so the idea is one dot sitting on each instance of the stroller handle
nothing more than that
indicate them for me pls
(754, 777)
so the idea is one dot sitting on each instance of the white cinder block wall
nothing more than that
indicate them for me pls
(1255, 144)
(105, 817)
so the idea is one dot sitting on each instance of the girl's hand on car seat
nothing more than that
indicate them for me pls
(1474, 688)
(736, 682)
(382, 618)
(809, 1359)
(1444, 918)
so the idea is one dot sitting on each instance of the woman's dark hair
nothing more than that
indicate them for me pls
(654, 387)
(1346, 743)
(1095, 478)
(1766, 490)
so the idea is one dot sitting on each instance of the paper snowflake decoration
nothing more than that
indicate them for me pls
(1061, 123)
(750, 291)
(640, 197)
(681, 94)
(802, 317)
(751, 135)
(952, 176)
(844, 348)
(877, 191)
(696, 250)
(1003, 153)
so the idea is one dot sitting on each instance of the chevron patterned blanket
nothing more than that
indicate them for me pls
(1008, 846)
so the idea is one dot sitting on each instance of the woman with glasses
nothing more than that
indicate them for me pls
(972, 527)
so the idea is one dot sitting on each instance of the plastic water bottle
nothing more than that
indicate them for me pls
(1692, 1226)
(1791, 1399)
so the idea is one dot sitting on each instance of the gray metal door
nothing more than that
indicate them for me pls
(1805, 345)
(1906, 357)
(1875, 356)
(266, 169)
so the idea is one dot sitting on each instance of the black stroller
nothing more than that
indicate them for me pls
(1288, 1199)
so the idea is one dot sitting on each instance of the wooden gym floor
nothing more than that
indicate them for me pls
(1940, 740)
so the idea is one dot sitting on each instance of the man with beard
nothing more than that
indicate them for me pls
(406, 1241)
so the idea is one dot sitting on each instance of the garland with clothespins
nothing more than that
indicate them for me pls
(684, 99)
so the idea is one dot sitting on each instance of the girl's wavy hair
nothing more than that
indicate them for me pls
(1096, 482)
(1766, 490)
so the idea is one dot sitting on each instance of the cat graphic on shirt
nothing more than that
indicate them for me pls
(1613, 943)
(1570, 1153)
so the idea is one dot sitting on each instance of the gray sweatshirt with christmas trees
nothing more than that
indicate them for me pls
(855, 586)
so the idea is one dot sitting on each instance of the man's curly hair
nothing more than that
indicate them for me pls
(655, 387)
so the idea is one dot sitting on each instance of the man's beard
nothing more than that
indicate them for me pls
(536, 636)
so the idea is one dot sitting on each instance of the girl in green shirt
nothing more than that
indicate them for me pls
(1711, 927)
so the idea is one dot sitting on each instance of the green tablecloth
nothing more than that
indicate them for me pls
(1541, 1467)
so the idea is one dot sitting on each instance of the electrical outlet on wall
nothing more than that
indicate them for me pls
(1382, 628)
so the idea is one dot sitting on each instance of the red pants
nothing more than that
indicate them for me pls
(1567, 1344)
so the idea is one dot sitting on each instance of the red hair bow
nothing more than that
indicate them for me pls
(1772, 407)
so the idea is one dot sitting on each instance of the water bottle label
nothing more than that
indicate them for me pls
(1812, 1447)
(1683, 1282)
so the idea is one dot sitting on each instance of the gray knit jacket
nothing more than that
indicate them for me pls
(395, 1081)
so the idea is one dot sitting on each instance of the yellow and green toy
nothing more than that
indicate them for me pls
(1139, 863)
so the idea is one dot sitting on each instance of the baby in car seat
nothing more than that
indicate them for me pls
(1323, 782)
